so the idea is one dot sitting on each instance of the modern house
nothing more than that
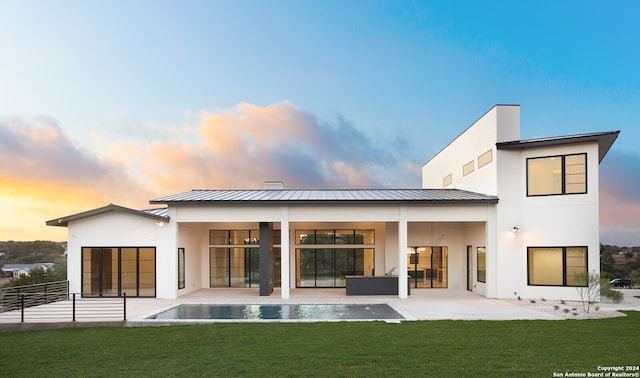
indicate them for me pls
(497, 215)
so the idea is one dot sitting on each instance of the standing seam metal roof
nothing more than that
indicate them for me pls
(326, 196)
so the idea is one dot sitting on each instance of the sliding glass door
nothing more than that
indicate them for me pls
(113, 271)
(234, 267)
(328, 267)
(427, 267)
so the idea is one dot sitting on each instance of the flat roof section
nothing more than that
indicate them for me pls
(605, 141)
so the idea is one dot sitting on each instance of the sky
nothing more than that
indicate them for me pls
(126, 101)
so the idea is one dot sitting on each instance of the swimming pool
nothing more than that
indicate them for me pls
(280, 312)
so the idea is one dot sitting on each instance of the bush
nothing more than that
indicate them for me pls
(607, 291)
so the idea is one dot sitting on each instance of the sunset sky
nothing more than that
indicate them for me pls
(125, 101)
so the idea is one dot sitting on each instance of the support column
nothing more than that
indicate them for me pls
(402, 253)
(284, 253)
(266, 258)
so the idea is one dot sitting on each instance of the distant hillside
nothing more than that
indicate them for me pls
(12, 252)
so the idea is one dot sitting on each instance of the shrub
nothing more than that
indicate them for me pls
(607, 291)
(589, 290)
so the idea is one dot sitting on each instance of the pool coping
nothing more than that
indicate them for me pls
(148, 320)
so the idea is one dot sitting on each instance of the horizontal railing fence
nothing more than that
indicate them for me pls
(48, 305)
(13, 298)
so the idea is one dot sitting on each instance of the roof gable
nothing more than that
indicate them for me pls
(157, 214)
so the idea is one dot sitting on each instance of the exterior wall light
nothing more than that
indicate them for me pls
(159, 223)
(515, 229)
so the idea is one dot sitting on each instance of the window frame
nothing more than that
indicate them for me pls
(468, 168)
(116, 271)
(481, 251)
(181, 269)
(485, 159)
(564, 264)
(563, 175)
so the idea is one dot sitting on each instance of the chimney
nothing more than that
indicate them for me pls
(273, 185)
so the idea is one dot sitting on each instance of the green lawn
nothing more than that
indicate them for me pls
(368, 349)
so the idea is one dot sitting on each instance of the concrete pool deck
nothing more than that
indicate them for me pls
(422, 304)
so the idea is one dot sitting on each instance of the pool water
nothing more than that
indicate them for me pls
(281, 312)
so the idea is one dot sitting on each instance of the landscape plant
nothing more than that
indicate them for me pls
(607, 291)
(588, 289)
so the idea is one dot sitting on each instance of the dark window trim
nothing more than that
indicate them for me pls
(563, 175)
(118, 250)
(485, 264)
(181, 269)
(334, 250)
(564, 264)
(333, 237)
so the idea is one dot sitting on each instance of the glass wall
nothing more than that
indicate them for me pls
(117, 270)
(332, 254)
(328, 267)
(428, 267)
(234, 258)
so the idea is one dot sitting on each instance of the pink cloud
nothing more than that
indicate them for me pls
(41, 168)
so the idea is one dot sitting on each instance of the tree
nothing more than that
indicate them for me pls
(40, 275)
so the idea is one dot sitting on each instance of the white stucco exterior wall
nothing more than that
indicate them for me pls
(547, 221)
(107, 230)
(544, 221)
(501, 123)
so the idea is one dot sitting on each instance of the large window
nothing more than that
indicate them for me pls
(329, 267)
(234, 258)
(482, 264)
(554, 175)
(364, 237)
(117, 270)
(556, 266)
(330, 255)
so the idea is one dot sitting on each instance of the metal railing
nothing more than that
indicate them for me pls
(52, 302)
(13, 298)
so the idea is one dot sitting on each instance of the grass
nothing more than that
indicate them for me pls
(372, 349)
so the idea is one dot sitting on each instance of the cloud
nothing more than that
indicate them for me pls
(45, 175)
(249, 144)
(620, 198)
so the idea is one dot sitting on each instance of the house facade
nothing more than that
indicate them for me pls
(497, 215)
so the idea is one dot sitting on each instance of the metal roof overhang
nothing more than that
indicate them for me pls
(156, 214)
(340, 197)
(604, 139)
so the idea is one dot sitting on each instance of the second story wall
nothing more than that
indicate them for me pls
(469, 162)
